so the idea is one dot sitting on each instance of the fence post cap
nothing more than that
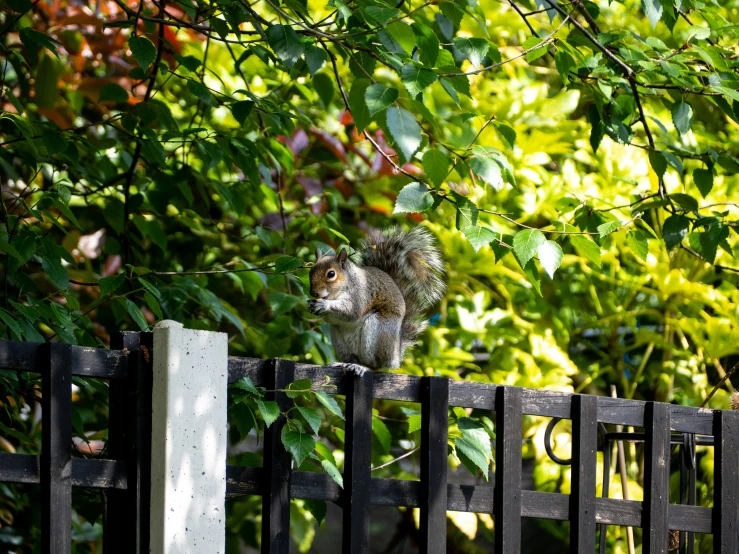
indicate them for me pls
(168, 324)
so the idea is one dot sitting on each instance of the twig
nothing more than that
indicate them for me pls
(391, 462)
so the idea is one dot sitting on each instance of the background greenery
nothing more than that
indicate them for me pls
(182, 159)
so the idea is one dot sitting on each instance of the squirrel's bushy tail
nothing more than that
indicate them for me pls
(414, 262)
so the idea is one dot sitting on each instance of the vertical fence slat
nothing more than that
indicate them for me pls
(726, 485)
(656, 478)
(276, 496)
(582, 496)
(139, 446)
(120, 524)
(507, 500)
(434, 433)
(357, 477)
(607, 448)
(56, 451)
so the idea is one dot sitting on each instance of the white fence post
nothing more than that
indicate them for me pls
(188, 441)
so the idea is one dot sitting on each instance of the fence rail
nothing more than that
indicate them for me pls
(508, 503)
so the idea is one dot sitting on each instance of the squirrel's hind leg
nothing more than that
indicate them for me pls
(381, 342)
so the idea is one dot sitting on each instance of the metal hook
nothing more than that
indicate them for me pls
(548, 443)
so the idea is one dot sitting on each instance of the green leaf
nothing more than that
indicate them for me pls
(565, 63)
(506, 132)
(244, 419)
(428, 44)
(113, 93)
(298, 444)
(55, 143)
(586, 248)
(329, 402)
(315, 58)
(682, 116)
(150, 288)
(526, 243)
(143, 50)
(479, 236)
(378, 97)
(658, 162)
(436, 164)
(281, 302)
(317, 509)
(301, 387)
(324, 86)
(52, 266)
(638, 243)
(467, 212)
(30, 37)
(200, 91)
(311, 417)
(403, 35)
(286, 44)
(703, 179)
(153, 305)
(550, 257)
(405, 130)
(474, 49)
(109, 285)
(381, 16)
(269, 409)
(12, 324)
(324, 452)
(416, 78)
(474, 444)
(245, 383)
(684, 201)
(414, 197)
(189, 62)
(285, 264)
(8, 248)
(653, 10)
(675, 229)
(486, 169)
(381, 433)
(358, 104)
(414, 423)
(241, 110)
(607, 228)
(333, 472)
(134, 311)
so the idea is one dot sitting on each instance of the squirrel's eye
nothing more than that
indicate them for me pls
(331, 274)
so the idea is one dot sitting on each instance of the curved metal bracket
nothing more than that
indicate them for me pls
(548, 443)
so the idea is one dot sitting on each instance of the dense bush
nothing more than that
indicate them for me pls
(183, 159)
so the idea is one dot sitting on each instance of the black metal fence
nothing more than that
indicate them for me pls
(505, 499)
(124, 474)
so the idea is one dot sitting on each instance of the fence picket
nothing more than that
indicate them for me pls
(357, 476)
(56, 451)
(507, 503)
(726, 483)
(118, 522)
(656, 478)
(276, 496)
(582, 496)
(433, 493)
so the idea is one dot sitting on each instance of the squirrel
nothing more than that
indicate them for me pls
(375, 308)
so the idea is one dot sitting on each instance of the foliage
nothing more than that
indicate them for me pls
(184, 160)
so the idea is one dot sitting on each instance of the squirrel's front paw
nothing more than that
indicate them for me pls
(317, 306)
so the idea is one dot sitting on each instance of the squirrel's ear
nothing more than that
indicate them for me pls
(319, 254)
(343, 256)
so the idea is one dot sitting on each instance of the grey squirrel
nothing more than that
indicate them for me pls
(375, 308)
